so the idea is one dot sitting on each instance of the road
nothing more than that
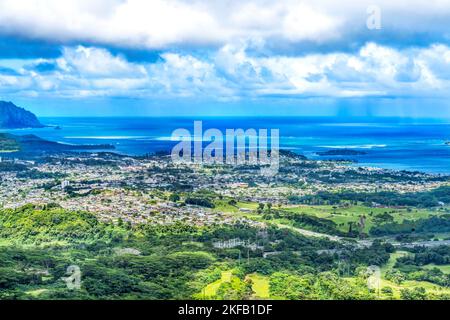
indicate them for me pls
(309, 233)
(365, 243)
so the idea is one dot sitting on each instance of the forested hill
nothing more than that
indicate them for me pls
(14, 117)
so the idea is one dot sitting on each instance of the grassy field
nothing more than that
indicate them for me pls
(430, 287)
(396, 288)
(392, 261)
(260, 285)
(342, 215)
(36, 293)
(444, 268)
(339, 215)
(211, 289)
(224, 206)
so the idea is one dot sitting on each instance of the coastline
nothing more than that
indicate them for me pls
(388, 145)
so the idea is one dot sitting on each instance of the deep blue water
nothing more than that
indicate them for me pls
(389, 143)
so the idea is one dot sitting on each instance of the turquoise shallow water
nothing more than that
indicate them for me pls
(389, 143)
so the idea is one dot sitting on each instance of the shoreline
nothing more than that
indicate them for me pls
(138, 136)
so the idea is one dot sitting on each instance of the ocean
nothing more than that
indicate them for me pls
(402, 144)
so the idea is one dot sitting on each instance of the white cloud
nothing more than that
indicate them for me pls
(163, 23)
(186, 76)
(305, 23)
(232, 73)
(249, 49)
(436, 60)
(97, 62)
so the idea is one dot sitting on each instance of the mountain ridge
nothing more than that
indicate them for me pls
(14, 117)
(32, 145)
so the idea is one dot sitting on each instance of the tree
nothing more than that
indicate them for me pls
(418, 293)
(174, 197)
(260, 207)
(395, 276)
(350, 226)
(387, 291)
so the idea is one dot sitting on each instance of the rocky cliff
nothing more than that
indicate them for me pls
(14, 117)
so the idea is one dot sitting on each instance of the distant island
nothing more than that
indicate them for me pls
(33, 145)
(14, 117)
(341, 152)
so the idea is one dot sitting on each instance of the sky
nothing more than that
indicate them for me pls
(226, 57)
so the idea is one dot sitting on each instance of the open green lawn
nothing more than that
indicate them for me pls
(339, 215)
(37, 292)
(248, 205)
(260, 285)
(224, 206)
(211, 289)
(392, 261)
(396, 288)
(444, 268)
(342, 215)
(430, 287)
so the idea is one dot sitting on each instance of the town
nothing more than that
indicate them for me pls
(147, 189)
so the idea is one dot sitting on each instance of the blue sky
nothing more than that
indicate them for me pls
(255, 57)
